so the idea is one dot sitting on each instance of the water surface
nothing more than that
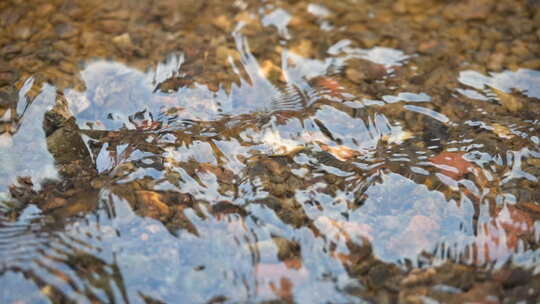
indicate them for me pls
(255, 151)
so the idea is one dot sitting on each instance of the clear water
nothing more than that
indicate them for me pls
(255, 151)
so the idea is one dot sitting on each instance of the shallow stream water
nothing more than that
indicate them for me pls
(201, 151)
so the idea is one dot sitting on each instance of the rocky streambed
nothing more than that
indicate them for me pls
(244, 151)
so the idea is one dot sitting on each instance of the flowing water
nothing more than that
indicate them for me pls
(201, 151)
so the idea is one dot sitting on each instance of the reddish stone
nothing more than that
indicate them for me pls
(330, 84)
(452, 164)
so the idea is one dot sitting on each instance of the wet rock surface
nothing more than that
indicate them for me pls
(277, 151)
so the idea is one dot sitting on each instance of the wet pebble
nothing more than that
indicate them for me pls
(112, 26)
(66, 30)
(359, 71)
(468, 10)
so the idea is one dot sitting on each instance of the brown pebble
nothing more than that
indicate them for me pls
(112, 26)
(55, 202)
(65, 30)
